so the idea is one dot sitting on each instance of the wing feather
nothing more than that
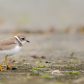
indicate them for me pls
(7, 44)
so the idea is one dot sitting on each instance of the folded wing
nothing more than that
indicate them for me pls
(7, 44)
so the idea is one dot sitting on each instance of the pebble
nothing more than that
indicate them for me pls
(43, 57)
(26, 63)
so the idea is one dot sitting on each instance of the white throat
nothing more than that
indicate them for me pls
(19, 40)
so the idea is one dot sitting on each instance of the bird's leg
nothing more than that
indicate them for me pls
(1, 68)
(7, 66)
(6, 62)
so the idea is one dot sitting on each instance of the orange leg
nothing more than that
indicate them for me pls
(7, 66)
(6, 62)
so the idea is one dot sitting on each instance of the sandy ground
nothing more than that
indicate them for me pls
(63, 52)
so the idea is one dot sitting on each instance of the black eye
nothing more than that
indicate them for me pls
(23, 38)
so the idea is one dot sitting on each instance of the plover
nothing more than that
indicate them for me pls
(11, 46)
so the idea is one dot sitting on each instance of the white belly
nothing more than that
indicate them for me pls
(11, 51)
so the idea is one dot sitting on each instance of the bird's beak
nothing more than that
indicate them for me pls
(27, 41)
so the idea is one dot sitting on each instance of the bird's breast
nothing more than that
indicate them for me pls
(10, 51)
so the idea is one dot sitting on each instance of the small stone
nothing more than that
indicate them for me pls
(46, 62)
(35, 56)
(16, 62)
(13, 60)
(43, 57)
(26, 63)
(14, 68)
(23, 59)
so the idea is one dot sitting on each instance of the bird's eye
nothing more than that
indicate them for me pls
(23, 38)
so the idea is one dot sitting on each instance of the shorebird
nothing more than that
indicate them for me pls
(11, 46)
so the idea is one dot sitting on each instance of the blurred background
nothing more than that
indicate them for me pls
(38, 15)
(51, 25)
(55, 26)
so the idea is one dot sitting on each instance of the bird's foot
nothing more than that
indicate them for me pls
(12, 68)
(1, 68)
